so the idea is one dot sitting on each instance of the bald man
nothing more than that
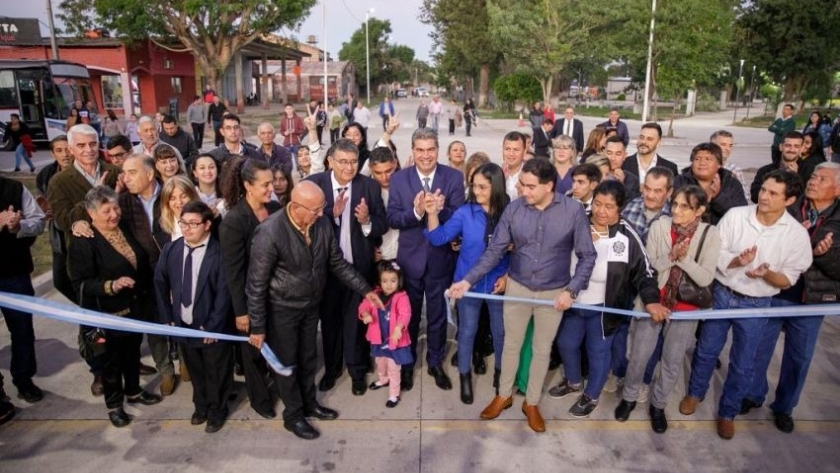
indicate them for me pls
(277, 156)
(291, 254)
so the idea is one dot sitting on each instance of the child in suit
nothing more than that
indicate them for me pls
(388, 330)
(192, 293)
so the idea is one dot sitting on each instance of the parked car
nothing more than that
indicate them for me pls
(422, 92)
(402, 93)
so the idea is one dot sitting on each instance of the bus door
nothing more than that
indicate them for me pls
(31, 102)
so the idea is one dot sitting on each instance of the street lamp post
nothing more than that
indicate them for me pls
(752, 84)
(367, 50)
(646, 100)
(738, 90)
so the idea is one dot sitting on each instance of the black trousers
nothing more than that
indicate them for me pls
(257, 376)
(217, 133)
(211, 373)
(342, 333)
(292, 335)
(421, 122)
(451, 126)
(776, 155)
(61, 278)
(320, 131)
(335, 134)
(121, 367)
(469, 126)
(198, 133)
(23, 364)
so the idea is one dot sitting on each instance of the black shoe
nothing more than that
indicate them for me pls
(497, 373)
(29, 392)
(145, 398)
(198, 418)
(783, 422)
(214, 425)
(327, 383)
(302, 429)
(359, 387)
(747, 405)
(390, 403)
(466, 389)
(119, 418)
(406, 380)
(454, 360)
(373, 386)
(658, 422)
(441, 379)
(7, 411)
(623, 410)
(269, 414)
(17, 169)
(479, 365)
(321, 413)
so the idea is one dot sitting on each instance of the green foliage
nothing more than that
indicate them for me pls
(517, 87)
(621, 97)
(388, 62)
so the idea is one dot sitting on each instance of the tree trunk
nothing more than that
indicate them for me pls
(483, 84)
(240, 94)
(673, 116)
(547, 84)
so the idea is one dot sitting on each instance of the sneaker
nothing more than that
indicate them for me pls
(613, 383)
(564, 389)
(644, 394)
(584, 406)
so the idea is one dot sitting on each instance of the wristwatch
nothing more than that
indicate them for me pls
(572, 294)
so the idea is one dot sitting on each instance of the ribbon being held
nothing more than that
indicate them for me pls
(76, 315)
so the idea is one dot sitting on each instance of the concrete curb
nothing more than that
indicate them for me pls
(43, 284)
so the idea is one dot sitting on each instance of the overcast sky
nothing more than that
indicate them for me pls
(343, 17)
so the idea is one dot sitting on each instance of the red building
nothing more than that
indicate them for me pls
(137, 78)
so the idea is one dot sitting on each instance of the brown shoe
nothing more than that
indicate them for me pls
(96, 387)
(726, 428)
(688, 405)
(496, 406)
(182, 370)
(167, 385)
(535, 419)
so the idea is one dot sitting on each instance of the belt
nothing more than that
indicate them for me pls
(736, 293)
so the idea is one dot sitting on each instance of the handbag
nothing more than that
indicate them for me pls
(688, 291)
(91, 340)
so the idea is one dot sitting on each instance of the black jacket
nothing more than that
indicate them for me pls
(222, 154)
(542, 142)
(627, 276)
(287, 276)
(822, 280)
(805, 169)
(235, 235)
(631, 165)
(731, 193)
(184, 143)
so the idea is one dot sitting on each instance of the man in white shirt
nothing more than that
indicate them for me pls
(513, 155)
(361, 114)
(646, 156)
(763, 250)
(435, 111)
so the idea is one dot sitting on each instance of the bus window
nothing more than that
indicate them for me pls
(8, 91)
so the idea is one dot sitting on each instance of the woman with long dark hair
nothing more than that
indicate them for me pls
(812, 155)
(358, 135)
(474, 222)
(205, 174)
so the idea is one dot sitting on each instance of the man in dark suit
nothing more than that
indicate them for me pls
(428, 269)
(192, 293)
(232, 144)
(355, 208)
(646, 157)
(617, 154)
(569, 126)
(542, 138)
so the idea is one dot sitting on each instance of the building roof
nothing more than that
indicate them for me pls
(309, 68)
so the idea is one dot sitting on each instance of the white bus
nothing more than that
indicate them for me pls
(42, 93)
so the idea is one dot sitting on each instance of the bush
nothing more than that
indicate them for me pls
(512, 87)
(621, 97)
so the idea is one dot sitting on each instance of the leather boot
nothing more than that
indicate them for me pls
(466, 389)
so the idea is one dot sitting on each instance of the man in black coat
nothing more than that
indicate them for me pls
(722, 187)
(232, 144)
(542, 139)
(291, 255)
(569, 126)
(646, 157)
(354, 205)
(174, 136)
(791, 151)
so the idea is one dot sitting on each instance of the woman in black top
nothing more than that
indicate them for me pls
(17, 130)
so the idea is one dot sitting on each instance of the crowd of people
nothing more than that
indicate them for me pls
(273, 241)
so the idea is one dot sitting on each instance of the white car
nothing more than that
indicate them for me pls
(422, 92)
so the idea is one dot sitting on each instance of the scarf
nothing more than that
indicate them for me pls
(676, 273)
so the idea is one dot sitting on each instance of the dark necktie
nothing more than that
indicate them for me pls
(186, 281)
(426, 187)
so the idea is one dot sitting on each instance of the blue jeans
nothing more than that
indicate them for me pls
(800, 340)
(746, 334)
(618, 350)
(579, 326)
(23, 365)
(469, 310)
(20, 153)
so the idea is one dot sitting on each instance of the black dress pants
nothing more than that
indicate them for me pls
(292, 335)
(342, 333)
(211, 373)
(121, 367)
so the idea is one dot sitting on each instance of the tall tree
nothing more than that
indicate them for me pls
(213, 30)
(461, 34)
(388, 62)
(790, 41)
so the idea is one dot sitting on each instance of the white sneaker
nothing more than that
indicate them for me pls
(613, 383)
(644, 393)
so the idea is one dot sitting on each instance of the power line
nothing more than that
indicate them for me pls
(349, 10)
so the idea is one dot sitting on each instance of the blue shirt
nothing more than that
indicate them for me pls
(543, 242)
(149, 205)
(469, 222)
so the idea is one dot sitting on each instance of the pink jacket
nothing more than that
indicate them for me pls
(400, 315)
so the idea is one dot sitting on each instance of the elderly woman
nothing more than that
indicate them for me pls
(680, 247)
(457, 155)
(622, 271)
(562, 157)
(110, 272)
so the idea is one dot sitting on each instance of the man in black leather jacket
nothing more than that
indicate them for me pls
(291, 254)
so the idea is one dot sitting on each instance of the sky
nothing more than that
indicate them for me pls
(343, 17)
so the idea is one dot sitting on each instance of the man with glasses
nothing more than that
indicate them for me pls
(232, 145)
(292, 253)
(117, 149)
(354, 205)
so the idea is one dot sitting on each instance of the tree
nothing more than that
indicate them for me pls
(787, 39)
(542, 37)
(388, 62)
(461, 33)
(213, 30)
(517, 86)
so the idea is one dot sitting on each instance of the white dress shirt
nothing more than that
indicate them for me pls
(197, 259)
(423, 178)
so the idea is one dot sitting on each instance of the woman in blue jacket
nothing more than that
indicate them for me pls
(474, 223)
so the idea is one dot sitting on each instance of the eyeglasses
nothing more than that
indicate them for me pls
(345, 163)
(190, 225)
(314, 213)
(230, 127)
(117, 155)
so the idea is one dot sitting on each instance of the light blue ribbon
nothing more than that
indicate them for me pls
(76, 315)
(713, 314)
